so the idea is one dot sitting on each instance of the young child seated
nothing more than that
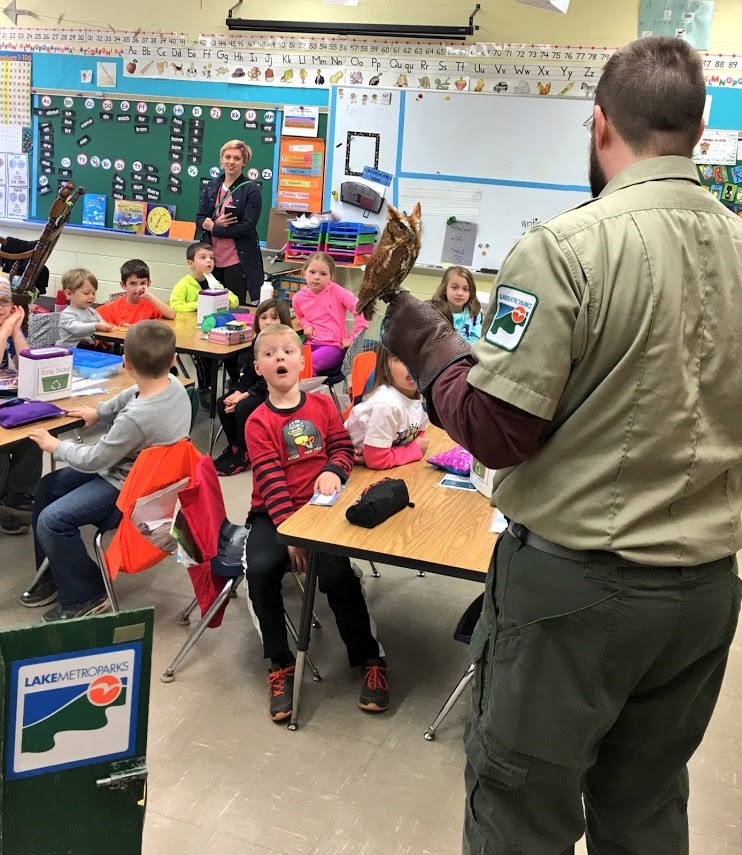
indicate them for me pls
(79, 321)
(184, 298)
(139, 303)
(388, 427)
(456, 299)
(322, 307)
(298, 445)
(247, 394)
(20, 463)
(156, 411)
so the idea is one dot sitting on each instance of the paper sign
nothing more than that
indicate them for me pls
(689, 20)
(717, 147)
(300, 121)
(459, 243)
(72, 709)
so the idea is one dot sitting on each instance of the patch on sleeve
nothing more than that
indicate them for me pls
(515, 309)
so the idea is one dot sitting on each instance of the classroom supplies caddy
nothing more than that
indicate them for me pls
(349, 244)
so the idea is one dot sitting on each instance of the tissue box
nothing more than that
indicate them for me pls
(224, 335)
(482, 477)
(44, 373)
(212, 302)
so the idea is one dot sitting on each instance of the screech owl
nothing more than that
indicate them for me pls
(392, 260)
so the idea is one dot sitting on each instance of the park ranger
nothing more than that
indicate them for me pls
(606, 389)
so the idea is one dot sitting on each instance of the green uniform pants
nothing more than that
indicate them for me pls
(592, 680)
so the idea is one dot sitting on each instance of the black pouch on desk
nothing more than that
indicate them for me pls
(379, 502)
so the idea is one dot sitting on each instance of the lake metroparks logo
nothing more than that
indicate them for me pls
(72, 710)
(514, 311)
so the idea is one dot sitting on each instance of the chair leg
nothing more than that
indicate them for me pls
(103, 566)
(315, 620)
(374, 572)
(169, 674)
(44, 566)
(335, 399)
(448, 706)
(185, 617)
(316, 676)
(182, 367)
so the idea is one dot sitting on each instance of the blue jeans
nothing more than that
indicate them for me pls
(65, 500)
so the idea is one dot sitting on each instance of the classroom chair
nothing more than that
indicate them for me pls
(463, 632)
(43, 329)
(229, 566)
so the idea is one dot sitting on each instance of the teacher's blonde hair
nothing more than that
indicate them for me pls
(244, 148)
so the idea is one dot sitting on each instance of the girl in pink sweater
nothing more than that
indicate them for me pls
(321, 307)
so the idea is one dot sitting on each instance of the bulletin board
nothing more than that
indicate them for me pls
(160, 152)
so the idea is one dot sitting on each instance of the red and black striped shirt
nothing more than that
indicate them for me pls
(290, 448)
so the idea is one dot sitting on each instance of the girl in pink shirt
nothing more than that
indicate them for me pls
(321, 307)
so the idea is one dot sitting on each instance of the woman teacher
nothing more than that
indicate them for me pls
(228, 213)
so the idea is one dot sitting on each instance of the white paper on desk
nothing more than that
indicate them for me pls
(93, 390)
(499, 523)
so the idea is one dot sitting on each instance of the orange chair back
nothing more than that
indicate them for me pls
(306, 371)
(364, 366)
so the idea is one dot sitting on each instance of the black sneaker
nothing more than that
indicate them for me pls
(237, 462)
(281, 692)
(12, 525)
(374, 687)
(228, 452)
(91, 607)
(41, 594)
(204, 397)
(16, 513)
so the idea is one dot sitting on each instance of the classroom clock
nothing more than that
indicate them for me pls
(159, 220)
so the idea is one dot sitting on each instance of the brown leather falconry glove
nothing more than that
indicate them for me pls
(416, 333)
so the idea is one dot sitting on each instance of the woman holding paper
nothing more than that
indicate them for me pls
(228, 214)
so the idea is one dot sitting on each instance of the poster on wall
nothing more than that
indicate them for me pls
(717, 147)
(686, 19)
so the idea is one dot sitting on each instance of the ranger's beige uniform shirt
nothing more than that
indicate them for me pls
(621, 322)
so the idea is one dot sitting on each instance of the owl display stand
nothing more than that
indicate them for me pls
(59, 215)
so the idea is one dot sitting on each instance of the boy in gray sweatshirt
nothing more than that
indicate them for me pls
(157, 411)
(79, 322)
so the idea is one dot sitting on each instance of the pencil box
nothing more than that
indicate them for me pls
(21, 411)
(378, 502)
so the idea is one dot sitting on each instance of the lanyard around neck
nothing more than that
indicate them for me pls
(227, 194)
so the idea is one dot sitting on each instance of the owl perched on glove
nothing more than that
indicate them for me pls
(392, 260)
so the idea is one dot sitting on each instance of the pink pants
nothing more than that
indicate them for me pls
(326, 358)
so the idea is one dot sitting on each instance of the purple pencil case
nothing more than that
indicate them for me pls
(22, 411)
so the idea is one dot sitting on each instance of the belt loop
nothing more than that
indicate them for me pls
(688, 574)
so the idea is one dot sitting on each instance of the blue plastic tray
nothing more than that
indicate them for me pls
(93, 364)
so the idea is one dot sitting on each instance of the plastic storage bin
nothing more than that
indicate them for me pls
(95, 365)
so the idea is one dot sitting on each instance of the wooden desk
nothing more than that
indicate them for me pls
(190, 339)
(447, 532)
(112, 385)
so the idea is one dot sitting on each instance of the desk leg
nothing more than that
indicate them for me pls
(305, 626)
(212, 405)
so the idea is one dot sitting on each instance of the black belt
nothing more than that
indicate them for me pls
(583, 556)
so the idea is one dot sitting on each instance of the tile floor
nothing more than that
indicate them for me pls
(225, 780)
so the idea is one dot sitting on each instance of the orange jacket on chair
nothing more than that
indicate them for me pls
(364, 366)
(155, 468)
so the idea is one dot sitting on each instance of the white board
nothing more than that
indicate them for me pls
(504, 162)
(362, 128)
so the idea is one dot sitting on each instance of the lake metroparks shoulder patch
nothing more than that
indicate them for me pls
(515, 309)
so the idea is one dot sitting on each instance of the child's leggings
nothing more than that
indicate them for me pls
(326, 358)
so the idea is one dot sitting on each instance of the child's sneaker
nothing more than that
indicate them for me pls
(231, 462)
(374, 687)
(281, 692)
(91, 607)
(42, 593)
(16, 512)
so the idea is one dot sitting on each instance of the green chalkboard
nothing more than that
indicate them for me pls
(98, 142)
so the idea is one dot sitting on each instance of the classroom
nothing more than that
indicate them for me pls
(485, 115)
